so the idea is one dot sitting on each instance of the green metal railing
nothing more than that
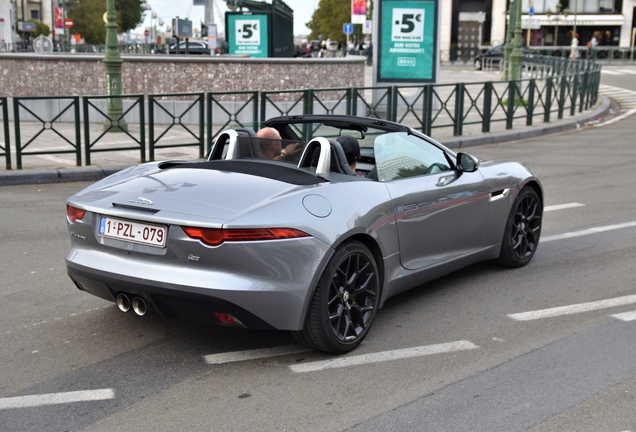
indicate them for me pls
(242, 101)
(47, 125)
(552, 89)
(115, 125)
(161, 102)
(6, 144)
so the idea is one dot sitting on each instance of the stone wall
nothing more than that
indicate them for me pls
(83, 74)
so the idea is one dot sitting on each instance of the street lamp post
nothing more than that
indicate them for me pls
(112, 63)
(516, 57)
(508, 44)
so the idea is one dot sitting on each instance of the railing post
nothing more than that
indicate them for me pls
(459, 109)
(510, 109)
(308, 102)
(151, 127)
(78, 135)
(87, 132)
(487, 111)
(563, 84)
(142, 128)
(7, 139)
(16, 124)
(391, 112)
(574, 92)
(201, 125)
(427, 108)
(530, 107)
(208, 114)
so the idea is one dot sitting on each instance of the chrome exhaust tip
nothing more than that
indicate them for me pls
(139, 306)
(123, 302)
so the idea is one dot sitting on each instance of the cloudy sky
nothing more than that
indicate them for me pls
(168, 9)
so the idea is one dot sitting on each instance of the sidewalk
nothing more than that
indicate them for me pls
(61, 167)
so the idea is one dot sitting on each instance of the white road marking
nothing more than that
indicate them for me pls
(624, 97)
(56, 398)
(610, 72)
(562, 206)
(573, 309)
(383, 356)
(237, 356)
(627, 316)
(587, 231)
(627, 71)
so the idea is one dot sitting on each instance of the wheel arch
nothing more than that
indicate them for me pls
(374, 247)
(537, 188)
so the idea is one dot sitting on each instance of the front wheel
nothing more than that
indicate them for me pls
(345, 301)
(523, 229)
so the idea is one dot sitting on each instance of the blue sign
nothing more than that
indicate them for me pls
(347, 29)
(531, 11)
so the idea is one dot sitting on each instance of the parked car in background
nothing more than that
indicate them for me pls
(193, 47)
(495, 55)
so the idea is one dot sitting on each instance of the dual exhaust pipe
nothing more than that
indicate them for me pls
(137, 304)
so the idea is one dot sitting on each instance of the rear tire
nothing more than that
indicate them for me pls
(523, 230)
(344, 304)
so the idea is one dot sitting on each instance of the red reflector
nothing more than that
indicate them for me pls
(74, 214)
(226, 318)
(215, 237)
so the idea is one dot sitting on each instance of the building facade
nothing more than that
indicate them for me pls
(469, 24)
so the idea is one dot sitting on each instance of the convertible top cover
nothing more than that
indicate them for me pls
(272, 170)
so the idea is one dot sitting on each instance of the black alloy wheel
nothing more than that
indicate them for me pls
(345, 302)
(523, 229)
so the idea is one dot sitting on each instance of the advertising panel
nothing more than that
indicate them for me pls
(248, 34)
(407, 41)
(358, 11)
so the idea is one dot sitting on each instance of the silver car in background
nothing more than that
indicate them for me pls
(304, 244)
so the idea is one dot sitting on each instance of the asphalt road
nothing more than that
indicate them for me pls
(448, 356)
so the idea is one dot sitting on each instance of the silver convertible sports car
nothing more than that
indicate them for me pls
(301, 242)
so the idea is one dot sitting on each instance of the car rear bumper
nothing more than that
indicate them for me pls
(277, 300)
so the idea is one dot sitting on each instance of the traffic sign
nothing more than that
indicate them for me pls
(531, 10)
(68, 23)
(347, 29)
(146, 32)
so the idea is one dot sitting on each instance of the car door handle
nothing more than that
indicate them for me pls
(407, 207)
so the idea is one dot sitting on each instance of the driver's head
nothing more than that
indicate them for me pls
(351, 148)
(269, 141)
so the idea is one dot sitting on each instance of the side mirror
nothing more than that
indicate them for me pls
(467, 163)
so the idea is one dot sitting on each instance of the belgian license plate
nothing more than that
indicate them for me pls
(137, 232)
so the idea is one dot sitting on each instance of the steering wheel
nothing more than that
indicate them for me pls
(435, 168)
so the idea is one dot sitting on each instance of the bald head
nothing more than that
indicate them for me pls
(269, 133)
(269, 141)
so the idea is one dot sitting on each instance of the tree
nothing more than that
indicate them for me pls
(328, 19)
(87, 16)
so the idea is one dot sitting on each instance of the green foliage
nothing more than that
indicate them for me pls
(87, 16)
(328, 19)
(41, 29)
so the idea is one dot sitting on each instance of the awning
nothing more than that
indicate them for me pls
(581, 20)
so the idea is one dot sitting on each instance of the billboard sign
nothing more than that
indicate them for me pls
(358, 11)
(407, 48)
(248, 34)
(182, 27)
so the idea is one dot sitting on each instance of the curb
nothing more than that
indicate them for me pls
(94, 173)
(62, 175)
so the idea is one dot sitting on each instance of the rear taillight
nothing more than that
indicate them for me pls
(74, 214)
(215, 237)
